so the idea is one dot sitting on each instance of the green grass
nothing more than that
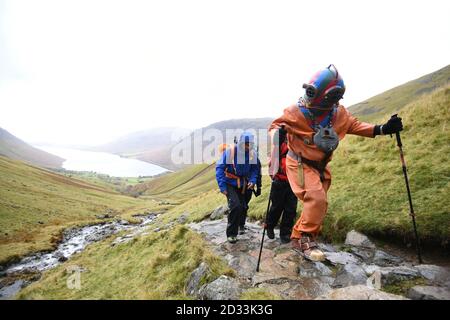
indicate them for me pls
(155, 266)
(368, 191)
(37, 204)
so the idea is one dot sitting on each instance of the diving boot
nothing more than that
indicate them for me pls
(308, 248)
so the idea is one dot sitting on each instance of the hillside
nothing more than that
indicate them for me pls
(140, 141)
(390, 101)
(37, 204)
(368, 191)
(14, 148)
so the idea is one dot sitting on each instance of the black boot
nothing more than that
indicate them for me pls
(285, 239)
(270, 233)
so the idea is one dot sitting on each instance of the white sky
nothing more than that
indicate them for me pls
(85, 72)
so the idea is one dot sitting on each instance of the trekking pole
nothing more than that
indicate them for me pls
(265, 227)
(411, 209)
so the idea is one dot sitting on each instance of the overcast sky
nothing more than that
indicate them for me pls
(85, 72)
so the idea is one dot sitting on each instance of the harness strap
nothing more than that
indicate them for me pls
(318, 165)
(240, 181)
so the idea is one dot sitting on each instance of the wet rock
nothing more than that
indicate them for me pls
(359, 292)
(244, 265)
(370, 269)
(349, 275)
(429, 293)
(193, 283)
(434, 273)
(390, 275)
(183, 218)
(60, 257)
(219, 212)
(357, 239)
(223, 288)
(313, 269)
(341, 258)
(325, 247)
(103, 216)
(363, 253)
(11, 290)
(384, 259)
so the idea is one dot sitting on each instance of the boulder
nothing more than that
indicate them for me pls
(325, 247)
(193, 283)
(359, 292)
(349, 275)
(341, 258)
(219, 212)
(183, 218)
(370, 269)
(223, 288)
(363, 253)
(384, 259)
(357, 239)
(390, 275)
(429, 293)
(311, 269)
(434, 273)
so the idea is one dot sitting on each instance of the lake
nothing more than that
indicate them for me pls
(102, 162)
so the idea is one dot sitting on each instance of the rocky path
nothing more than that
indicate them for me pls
(355, 270)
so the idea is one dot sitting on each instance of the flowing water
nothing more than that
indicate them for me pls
(73, 241)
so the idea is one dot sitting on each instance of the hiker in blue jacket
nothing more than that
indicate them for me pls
(237, 172)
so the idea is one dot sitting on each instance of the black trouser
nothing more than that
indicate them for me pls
(238, 207)
(284, 202)
(248, 197)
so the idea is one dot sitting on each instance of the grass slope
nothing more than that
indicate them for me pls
(390, 101)
(368, 191)
(14, 148)
(37, 204)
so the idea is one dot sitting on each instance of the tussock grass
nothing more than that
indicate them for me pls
(155, 266)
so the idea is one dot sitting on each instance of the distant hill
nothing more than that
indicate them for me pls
(139, 141)
(14, 148)
(155, 145)
(390, 101)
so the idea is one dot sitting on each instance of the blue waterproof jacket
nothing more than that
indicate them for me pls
(247, 170)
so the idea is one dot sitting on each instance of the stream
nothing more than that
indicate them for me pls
(74, 240)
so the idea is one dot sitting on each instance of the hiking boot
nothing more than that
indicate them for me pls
(270, 233)
(308, 248)
(242, 230)
(232, 239)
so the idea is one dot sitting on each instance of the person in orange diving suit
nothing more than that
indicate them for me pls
(314, 126)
